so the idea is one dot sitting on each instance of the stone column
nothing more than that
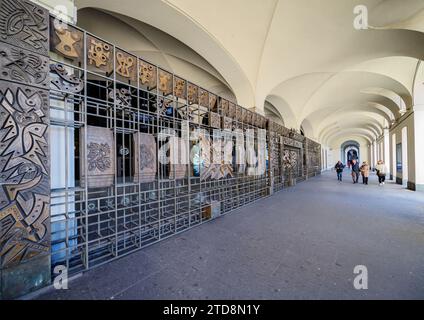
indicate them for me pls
(386, 148)
(419, 147)
(24, 148)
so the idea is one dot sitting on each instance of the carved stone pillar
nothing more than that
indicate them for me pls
(24, 148)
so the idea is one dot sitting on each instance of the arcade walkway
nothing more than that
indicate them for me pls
(302, 243)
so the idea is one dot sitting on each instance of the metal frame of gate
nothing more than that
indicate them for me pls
(93, 226)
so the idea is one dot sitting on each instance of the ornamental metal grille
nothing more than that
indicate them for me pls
(114, 117)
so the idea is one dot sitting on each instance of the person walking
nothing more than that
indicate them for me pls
(355, 171)
(339, 169)
(365, 172)
(381, 172)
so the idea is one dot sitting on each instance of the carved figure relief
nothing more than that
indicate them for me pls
(145, 158)
(68, 41)
(99, 155)
(99, 54)
(258, 120)
(250, 116)
(224, 107)
(215, 120)
(178, 152)
(290, 160)
(227, 123)
(213, 102)
(125, 65)
(239, 113)
(180, 88)
(165, 82)
(203, 98)
(24, 174)
(211, 170)
(244, 115)
(24, 24)
(196, 115)
(217, 171)
(262, 122)
(192, 94)
(182, 111)
(121, 97)
(147, 74)
(23, 66)
(232, 111)
(63, 81)
(100, 148)
(166, 107)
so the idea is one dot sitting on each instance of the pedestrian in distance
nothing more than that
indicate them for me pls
(381, 172)
(365, 172)
(355, 171)
(339, 169)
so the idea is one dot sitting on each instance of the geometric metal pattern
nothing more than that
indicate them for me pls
(118, 122)
(134, 199)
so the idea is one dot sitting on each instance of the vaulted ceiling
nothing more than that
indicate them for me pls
(301, 58)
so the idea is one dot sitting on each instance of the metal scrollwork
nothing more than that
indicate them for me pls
(166, 107)
(122, 97)
(65, 81)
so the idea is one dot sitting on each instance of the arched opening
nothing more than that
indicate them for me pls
(350, 150)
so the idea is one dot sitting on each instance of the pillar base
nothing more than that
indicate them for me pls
(25, 278)
(411, 186)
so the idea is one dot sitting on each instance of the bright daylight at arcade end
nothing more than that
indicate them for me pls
(211, 158)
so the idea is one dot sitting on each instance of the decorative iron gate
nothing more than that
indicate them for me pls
(113, 123)
(114, 116)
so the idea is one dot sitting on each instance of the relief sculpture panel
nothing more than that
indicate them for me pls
(147, 74)
(24, 174)
(145, 158)
(24, 148)
(98, 154)
(178, 150)
(99, 55)
(66, 41)
(24, 66)
(24, 24)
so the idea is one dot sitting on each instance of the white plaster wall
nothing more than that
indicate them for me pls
(408, 122)
(67, 8)
(156, 47)
(335, 153)
(419, 146)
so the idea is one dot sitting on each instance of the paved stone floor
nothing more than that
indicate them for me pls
(302, 243)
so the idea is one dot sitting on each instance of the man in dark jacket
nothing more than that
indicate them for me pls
(339, 169)
(355, 171)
